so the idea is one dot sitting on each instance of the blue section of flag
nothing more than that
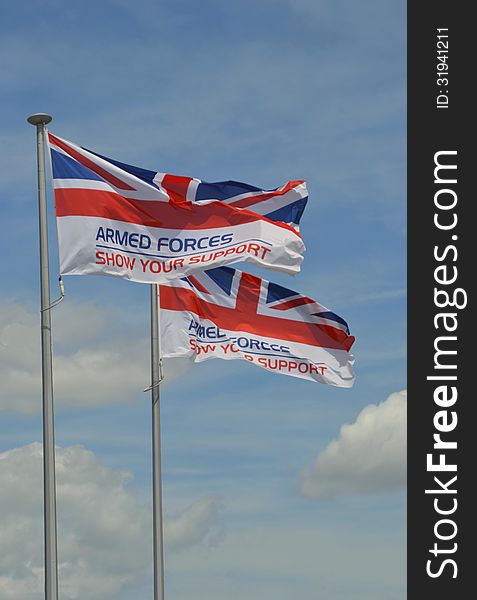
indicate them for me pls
(144, 174)
(65, 167)
(277, 292)
(331, 316)
(223, 277)
(288, 214)
(222, 190)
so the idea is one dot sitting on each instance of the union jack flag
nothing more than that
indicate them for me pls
(118, 219)
(226, 313)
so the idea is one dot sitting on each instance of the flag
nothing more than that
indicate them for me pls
(229, 314)
(116, 219)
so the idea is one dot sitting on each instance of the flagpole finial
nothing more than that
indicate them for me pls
(39, 119)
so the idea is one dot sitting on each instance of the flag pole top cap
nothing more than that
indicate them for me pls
(39, 119)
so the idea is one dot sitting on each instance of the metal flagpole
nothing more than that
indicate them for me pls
(39, 120)
(156, 378)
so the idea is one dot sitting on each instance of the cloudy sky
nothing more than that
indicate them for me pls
(273, 486)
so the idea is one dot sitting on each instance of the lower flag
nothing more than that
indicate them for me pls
(229, 314)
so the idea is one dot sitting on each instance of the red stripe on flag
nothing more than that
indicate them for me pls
(248, 294)
(86, 162)
(198, 286)
(293, 303)
(170, 215)
(176, 186)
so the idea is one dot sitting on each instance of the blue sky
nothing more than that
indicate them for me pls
(262, 92)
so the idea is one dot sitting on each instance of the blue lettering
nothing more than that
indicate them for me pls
(242, 342)
(118, 240)
(210, 332)
(144, 242)
(189, 243)
(179, 245)
(133, 240)
(123, 238)
(203, 243)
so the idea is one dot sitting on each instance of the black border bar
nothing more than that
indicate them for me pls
(441, 251)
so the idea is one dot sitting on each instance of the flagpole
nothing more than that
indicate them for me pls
(39, 120)
(156, 378)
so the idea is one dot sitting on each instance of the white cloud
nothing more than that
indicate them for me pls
(369, 455)
(104, 532)
(97, 359)
(101, 525)
(200, 523)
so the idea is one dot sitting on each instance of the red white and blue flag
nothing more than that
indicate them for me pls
(229, 314)
(146, 226)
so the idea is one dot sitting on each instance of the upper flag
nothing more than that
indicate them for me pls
(225, 313)
(116, 219)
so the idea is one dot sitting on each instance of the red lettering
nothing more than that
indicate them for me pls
(205, 349)
(253, 247)
(155, 266)
(130, 262)
(265, 250)
(115, 260)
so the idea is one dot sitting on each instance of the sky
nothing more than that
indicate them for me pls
(273, 486)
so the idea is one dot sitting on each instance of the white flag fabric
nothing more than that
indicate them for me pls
(116, 219)
(225, 313)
